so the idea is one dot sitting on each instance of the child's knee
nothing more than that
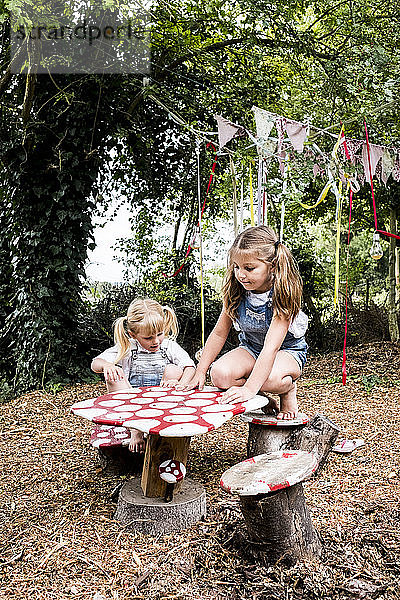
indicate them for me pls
(220, 376)
(115, 386)
(172, 372)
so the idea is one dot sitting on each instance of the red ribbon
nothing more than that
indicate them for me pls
(189, 248)
(346, 150)
(393, 235)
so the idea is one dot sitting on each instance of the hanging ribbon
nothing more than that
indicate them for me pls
(321, 197)
(264, 200)
(252, 222)
(339, 141)
(386, 233)
(241, 204)
(344, 372)
(259, 190)
(234, 196)
(337, 253)
(201, 210)
(286, 171)
(189, 248)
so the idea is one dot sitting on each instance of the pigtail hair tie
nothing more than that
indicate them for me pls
(276, 244)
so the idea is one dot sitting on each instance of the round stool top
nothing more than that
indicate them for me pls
(258, 417)
(269, 472)
(105, 436)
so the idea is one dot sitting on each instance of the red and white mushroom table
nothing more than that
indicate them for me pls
(170, 418)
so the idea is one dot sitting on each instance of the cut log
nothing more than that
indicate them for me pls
(317, 436)
(269, 434)
(158, 450)
(280, 527)
(272, 501)
(119, 460)
(154, 516)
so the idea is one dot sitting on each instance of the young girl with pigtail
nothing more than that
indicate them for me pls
(145, 354)
(261, 298)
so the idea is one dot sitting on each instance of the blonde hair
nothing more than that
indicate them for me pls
(262, 242)
(146, 317)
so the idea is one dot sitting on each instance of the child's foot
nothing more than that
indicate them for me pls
(288, 408)
(272, 408)
(137, 442)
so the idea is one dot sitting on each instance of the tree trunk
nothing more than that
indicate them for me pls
(318, 437)
(154, 516)
(393, 313)
(280, 527)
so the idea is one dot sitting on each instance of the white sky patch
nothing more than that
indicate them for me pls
(102, 264)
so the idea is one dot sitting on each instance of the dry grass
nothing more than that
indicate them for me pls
(59, 539)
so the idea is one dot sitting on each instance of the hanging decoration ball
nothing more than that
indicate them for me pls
(376, 249)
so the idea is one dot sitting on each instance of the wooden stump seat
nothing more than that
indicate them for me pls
(269, 472)
(272, 501)
(269, 434)
(114, 456)
(107, 436)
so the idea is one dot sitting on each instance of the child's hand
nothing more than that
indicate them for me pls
(197, 381)
(237, 394)
(168, 383)
(112, 372)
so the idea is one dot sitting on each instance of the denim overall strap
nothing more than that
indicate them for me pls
(147, 368)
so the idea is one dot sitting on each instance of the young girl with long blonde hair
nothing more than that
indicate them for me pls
(261, 298)
(145, 354)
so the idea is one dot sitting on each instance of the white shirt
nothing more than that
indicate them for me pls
(175, 354)
(297, 327)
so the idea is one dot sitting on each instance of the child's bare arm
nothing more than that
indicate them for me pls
(263, 365)
(212, 348)
(187, 375)
(111, 371)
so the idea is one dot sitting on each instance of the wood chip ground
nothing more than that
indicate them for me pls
(59, 540)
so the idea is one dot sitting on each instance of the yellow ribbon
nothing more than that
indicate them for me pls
(337, 257)
(321, 197)
(251, 196)
(337, 144)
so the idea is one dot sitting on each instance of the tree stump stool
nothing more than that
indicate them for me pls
(272, 501)
(113, 454)
(268, 434)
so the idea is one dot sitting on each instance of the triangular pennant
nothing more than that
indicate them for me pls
(376, 153)
(297, 133)
(264, 122)
(228, 130)
(387, 165)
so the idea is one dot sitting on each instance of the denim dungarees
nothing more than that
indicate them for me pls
(253, 323)
(147, 368)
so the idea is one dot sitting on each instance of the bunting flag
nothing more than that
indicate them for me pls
(384, 160)
(387, 165)
(371, 155)
(228, 130)
(369, 163)
(264, 122)
(297, 133)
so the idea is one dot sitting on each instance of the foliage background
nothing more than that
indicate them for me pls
(68, 143)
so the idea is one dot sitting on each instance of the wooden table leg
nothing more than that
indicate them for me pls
(158, 449)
